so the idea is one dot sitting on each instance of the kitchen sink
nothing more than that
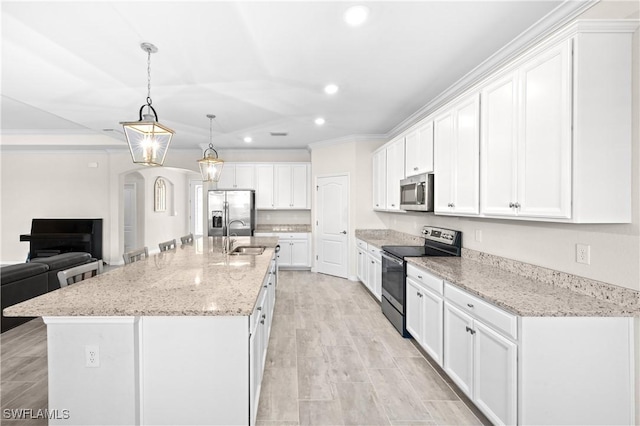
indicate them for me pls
(248, 250)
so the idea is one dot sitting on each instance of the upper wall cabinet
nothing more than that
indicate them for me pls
(237, 176)
(456, 158)
(418, 144)
(264, 186)
(388, 171)
(526, 139)
(395, 173)
(380, 179)
(556, 129)
(291, 183)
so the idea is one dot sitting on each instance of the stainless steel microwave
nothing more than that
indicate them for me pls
(416, 193)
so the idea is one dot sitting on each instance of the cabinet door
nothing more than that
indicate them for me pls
(395, 173)
(264, 186)
(375, 279)
(498, 147)
(414, 310)
(380, 179)
(299, 253)
(544, 184)
(495, 375)
(245, 174)
(444, 151)
(299, 186)
(284, 255)
(227, 177)
(254, 350)
(458, 348)
(282, 193)
(432, 308)
(466, 162)
(362, 264)
(418, 145)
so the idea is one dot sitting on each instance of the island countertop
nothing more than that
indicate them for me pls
(192, 280)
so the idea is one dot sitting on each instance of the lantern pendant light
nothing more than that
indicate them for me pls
(210, 164)
(148, 140)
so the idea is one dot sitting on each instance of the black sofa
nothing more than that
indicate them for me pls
(25, 281)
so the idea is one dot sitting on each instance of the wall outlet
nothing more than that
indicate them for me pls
(583, 253)
(478, 235)
(92, 356)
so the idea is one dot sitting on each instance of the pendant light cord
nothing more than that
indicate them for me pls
(149, 77)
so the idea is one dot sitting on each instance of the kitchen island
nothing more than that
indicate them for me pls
(178, 338)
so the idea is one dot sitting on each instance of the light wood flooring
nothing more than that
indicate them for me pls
(333, 359)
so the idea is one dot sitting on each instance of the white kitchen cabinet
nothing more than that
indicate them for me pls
(264, 186)
(370, 267)
(419, 149)
(395, 173)
(291, 186)
(457, 158)
(380, 180)
(424, 313)
(237, 176)
(294, 249)
(526, 139)
(361, 252)
(482, 363)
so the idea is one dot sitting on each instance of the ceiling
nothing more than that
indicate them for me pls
(260, 67)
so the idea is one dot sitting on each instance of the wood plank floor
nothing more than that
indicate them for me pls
(333, 359)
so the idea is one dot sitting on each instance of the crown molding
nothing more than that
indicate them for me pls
(347, 139)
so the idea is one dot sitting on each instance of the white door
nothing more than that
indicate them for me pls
(264, 186)
(432, 312)
(458, 348)
(380, 179)
(284, 255)
(196, 209)
(495, 375)
(130, 213)
(362, 264)
(300, 253)
(544, 151)
(395, 173)
(498, 147)
(443, 154)
(414, 310)
(332, 221)
(245, 176)
(282, 193)
(227, 177)
(467, 157)
(299, 186)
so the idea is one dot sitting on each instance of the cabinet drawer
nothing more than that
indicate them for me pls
(264, 234)
(258, 310)
(293, 235)
(374, 251)
(484, 311)
(361, 244)
(425, 278)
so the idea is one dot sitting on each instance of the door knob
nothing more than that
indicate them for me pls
(343, 232)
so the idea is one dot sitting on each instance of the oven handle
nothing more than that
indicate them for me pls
(392, 259)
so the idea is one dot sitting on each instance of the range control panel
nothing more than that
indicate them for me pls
(446, 236)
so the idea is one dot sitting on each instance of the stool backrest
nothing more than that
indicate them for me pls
(187, 239)
(167, 245)
(135, 255)
(79, 273)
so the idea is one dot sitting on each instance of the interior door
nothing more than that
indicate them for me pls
(332, 222)
(130, 216)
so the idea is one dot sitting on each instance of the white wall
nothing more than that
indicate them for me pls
(60, 184)
(352, 158)
(50, 184)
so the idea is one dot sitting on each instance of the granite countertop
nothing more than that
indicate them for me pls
(383, 237)
(283, 228)
(517, 294)
(192, 280)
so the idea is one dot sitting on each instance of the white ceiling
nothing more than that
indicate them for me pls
(76, 67)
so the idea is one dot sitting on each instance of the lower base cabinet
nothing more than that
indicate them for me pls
(369, 267)
(294, 249)
(525, 370)
(482, 363)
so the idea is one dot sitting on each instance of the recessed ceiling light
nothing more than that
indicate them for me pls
(319, 121)
(331, 89)
(356, 15)
(248, 139)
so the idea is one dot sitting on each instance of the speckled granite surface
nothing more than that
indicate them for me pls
(283, 228)
(381, 237)
(192, 280)
(517, 294)
(520, 288)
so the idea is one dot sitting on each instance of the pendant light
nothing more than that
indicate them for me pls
(148, 140)
(210, 164)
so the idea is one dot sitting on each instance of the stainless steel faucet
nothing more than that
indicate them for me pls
(227, 244)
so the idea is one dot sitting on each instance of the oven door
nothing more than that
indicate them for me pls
(393, 287)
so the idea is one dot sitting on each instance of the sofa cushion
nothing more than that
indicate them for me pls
(64, 260)
(12, 273)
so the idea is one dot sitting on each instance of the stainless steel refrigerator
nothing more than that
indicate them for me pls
(235, 209)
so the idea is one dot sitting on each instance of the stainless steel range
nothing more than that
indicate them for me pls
(438, 242)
